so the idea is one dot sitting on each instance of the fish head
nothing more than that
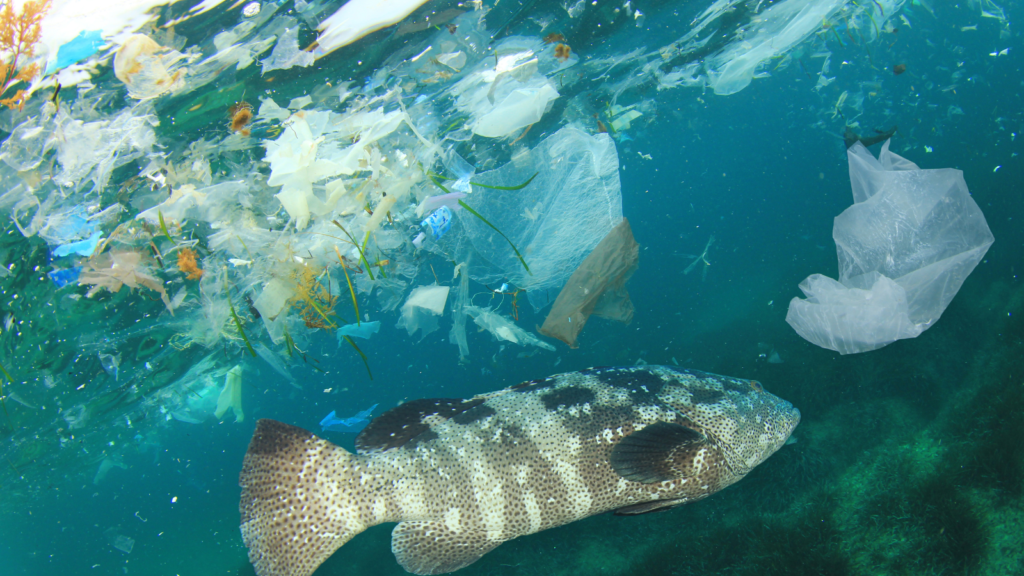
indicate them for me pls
(741, 422)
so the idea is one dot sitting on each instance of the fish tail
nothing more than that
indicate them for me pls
(302, 499)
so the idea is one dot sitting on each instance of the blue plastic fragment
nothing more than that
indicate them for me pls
(439, 222)
(82, 247)
(364, 330)
(64, 276)
(79, 48)
(331, 423)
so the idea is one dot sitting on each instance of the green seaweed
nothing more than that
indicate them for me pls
(493, 227)
(238, 324)
(163, 226)
(289, 343)
(362, 257)
(363, 253)
(351, 290)
(434, 177)
(519, 187)
(361, 355)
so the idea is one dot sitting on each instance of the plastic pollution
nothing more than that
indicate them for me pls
(504, 329)
(111, 270)
(355, 423)
(363, 330)
(780, 27)
(597, 287)
(105, 467)
(231, 396)
(82, 247)
(124, 543)
(357, 18)
(556, 220)
(63, 277)
(421, 310)
(439, 222)
(271, 357)
(905, 247)
(79, 48)
(147, 68)
(509, 92)
(287, 53)
(110, 363)
(457, 335)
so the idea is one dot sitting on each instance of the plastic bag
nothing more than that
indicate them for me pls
(555, 221)
(905, 247)
(597, 287)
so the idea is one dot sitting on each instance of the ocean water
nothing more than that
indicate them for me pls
(908, 459)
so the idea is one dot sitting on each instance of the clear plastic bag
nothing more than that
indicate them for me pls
(905, 247)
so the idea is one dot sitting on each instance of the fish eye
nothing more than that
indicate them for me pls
(756, 386)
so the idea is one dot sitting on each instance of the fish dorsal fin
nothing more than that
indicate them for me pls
(657, 453)
(435, 548)
(403, 423)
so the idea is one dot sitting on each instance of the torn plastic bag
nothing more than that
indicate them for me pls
(597, 287)
(905, 247)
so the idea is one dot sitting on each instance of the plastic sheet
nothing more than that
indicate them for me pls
(780, 27)
(231, 396)
(555, 221)
(504, 329)
(597, 287)
(147, 68)
(507, 93)
(287, 53)
(363, 330)
(422, 309)
(905, 247)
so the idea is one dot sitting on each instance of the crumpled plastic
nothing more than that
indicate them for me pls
(509, 92)
(422, 309)
(905, 247)
(597, 287)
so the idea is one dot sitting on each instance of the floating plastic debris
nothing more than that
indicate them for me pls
(352, 424)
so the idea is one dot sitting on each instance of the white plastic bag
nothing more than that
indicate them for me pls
(905, 247)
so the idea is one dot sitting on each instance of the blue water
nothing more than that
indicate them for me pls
(930, 422)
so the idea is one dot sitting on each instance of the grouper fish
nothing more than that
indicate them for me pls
(462, 476)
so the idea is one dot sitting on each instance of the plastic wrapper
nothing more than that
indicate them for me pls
(905, 247)
(597, 287)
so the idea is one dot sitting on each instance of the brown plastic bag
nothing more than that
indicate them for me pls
(598, 287)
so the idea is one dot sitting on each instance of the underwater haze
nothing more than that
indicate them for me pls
(221, 212)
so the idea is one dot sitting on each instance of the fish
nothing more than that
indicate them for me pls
(331, 423)
(851, 137)
(461, 476)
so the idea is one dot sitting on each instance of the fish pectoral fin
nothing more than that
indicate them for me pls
(656, 506)
(660, 452)
(434, 548)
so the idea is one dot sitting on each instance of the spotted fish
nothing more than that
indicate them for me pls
(462, 476)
